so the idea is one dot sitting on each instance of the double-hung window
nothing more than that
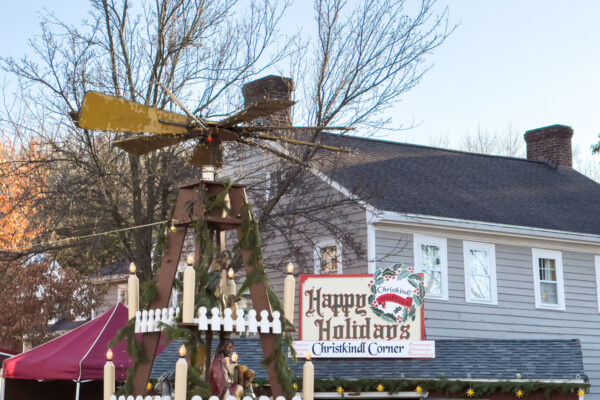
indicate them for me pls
(548, 279)
(597, 264)
(328, 257)
(480, 273)
(431, 259)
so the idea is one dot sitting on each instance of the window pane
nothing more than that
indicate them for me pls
(547, 269)
(549, 292)
(479, 262)
(481, 288)
(433, 282)
(329, 260)
(430, 258)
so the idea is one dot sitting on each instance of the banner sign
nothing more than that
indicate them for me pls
(386, 306)
(366, 349)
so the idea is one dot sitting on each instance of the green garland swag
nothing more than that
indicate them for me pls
(251, 240)
(446, 387)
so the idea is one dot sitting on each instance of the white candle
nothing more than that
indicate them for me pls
(189, 286)
(231, 287)
(133, 292)
(181, 370)
(289, 294)
(109, 376)
(308, 379)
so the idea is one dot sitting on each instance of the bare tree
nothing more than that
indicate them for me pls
(366, 55)
(503, 142)
(201, 49)
(506, 141)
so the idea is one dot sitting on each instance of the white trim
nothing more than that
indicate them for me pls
(371, 243)
(442, 243)
(597, 265)
(317, 253)
(511, 230)
(536, 254)
(490, 250)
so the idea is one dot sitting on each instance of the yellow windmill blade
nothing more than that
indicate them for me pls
(141, 145)
(108, 113)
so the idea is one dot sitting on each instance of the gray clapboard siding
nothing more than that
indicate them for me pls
(515, 316)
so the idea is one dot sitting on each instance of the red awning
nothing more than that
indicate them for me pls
(76, 355)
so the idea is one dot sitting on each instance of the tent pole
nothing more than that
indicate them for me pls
(77, 389)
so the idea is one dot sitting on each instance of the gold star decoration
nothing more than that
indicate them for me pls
(470, 392)
(580, 392)
(340, 390)
(519, 393)
(380, 388)
(149, 386)
(295, 386)
(419, 389)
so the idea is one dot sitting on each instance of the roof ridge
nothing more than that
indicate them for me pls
(371, 139)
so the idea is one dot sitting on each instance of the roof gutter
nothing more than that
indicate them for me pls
(479, 226)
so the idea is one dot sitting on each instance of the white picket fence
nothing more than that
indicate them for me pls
(113, 397)
(150, 320)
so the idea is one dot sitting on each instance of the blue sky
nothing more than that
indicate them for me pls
(529, 63)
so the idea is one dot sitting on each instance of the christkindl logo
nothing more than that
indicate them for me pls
(396, 292)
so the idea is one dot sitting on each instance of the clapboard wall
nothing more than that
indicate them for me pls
(515, 316)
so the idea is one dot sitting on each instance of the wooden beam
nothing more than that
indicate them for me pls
(260, 299)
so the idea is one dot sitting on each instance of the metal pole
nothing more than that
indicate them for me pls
(2, 386)
(77, 390)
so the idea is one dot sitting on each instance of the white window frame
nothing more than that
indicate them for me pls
(597, 265)
(121, 289)
(317, 254)
(490, 249)
(442, 243)
(536, 254)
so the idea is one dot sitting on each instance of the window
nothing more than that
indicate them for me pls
(122, 294)
(328, 257)
(480, 273)
(431, 258)
(548, 279)
(176, 294)
(597, 263)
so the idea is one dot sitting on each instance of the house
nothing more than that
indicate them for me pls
(509, 247)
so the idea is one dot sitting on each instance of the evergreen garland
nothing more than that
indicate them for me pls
(251, 240)
(446, 387)
(207, 282)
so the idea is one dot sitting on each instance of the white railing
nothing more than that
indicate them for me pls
(113, 397)
(152, 320)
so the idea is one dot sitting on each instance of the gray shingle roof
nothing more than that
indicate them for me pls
(483, 359)
(423, 180)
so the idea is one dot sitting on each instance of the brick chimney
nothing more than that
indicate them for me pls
(551, 143)
(272, 88)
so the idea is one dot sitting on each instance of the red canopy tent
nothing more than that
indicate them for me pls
(77, 355)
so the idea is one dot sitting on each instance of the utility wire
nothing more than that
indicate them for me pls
(76, 238)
